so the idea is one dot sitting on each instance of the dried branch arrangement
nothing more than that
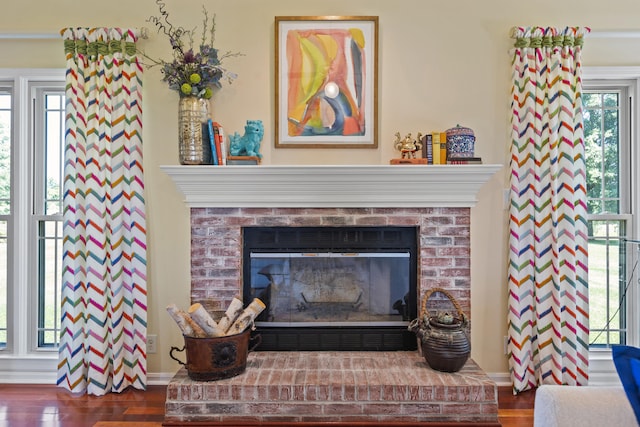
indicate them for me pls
(197, 322)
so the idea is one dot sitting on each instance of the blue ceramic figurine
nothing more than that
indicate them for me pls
(249, 143)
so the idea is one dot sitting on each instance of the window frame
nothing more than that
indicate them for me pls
(38, 215)
(625, 90)
(21, 358)
(602, 370)
(8, 87)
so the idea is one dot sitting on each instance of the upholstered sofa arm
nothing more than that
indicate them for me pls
(567, 406)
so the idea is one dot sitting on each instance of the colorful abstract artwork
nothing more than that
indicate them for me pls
(326, 82)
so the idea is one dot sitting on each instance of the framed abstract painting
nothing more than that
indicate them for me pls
(326, 81)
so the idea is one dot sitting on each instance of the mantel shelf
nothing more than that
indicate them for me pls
(352, 186)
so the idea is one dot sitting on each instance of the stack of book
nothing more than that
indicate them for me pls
(218, 143)
(434, 148)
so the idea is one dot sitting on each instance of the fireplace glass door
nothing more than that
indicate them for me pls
(331, 289)
(353, 289)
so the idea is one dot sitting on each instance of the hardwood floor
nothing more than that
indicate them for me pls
(48, 405)
(515, 411)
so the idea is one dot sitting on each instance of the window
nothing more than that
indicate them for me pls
(611, 159)
(5, 203)
(31, 155)
(47, 218)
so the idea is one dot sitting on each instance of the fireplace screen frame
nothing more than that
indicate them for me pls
(360, 239)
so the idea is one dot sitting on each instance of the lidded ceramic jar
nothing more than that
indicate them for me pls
(460, 142)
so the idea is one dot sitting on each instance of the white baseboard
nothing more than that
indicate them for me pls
(159, 378)
(153, 378)
(502, 379)
(39, 369)
(28, 377)
(599, 376)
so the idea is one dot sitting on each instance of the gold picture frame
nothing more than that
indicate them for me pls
(326, 81)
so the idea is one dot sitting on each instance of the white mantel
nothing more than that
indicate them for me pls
(353, 186)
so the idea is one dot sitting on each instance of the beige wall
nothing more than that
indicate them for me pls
(441, 63)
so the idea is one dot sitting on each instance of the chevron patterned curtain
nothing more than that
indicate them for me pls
(548, 291)
(104, 297)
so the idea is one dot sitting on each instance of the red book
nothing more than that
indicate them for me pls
(218, 141)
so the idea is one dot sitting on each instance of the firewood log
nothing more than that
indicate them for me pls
(233, 311)
(247, 317)
(185, 322)
(200, 315)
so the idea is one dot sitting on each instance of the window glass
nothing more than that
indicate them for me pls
(602, 139)
(54, 124)
(606, 282)
(3, 283)
(5, 206)
(5, 152)
(50, 256)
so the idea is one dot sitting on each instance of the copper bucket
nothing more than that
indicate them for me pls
(217, 358)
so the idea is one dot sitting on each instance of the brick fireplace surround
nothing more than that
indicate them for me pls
(332, 388)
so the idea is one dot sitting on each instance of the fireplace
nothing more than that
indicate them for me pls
(338, 387)
(332, 288)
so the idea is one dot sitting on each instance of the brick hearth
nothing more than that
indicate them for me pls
(352, 388)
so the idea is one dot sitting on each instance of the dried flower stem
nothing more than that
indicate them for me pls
(194, 70)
